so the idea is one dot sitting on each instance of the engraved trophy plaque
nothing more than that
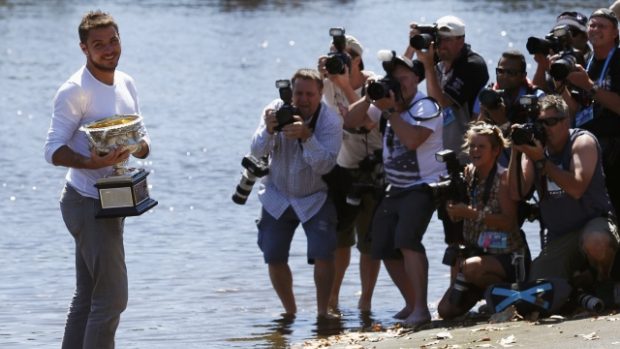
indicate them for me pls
(125, 192)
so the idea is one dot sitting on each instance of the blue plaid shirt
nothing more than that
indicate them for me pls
(295, 168)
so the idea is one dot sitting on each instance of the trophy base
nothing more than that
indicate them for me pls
(125, 195)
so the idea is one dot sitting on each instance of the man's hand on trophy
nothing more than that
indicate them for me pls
(114, 157)
(141, 149)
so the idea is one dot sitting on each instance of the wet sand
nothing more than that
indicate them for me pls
(579, 331)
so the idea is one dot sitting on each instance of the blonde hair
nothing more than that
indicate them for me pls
(492, 132)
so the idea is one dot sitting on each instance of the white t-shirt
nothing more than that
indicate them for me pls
(355, 146)
(80, 100)
(404, 167)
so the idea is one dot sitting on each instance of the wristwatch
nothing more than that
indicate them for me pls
(539, 165)
(386, 114)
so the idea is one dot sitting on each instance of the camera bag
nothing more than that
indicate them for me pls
(546, 296)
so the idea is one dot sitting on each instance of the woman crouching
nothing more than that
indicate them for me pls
(493, 240)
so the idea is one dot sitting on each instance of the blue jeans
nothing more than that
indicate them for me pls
(101, 275)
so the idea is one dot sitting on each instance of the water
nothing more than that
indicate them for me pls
(204, 70)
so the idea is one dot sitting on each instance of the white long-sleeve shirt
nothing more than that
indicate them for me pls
(80, 100)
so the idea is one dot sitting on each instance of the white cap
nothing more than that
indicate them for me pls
(450, 26)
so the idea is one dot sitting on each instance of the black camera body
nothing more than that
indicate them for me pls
(556, 41)
(529, 105)
(370, 178)
(285, 113)
(381, 88)
(428, 33)
(562, 66)
(490, 98)
(451, 187)
(527, 133)
(253, 168)
(337, 61)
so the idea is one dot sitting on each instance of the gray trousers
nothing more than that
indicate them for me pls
(101, 275)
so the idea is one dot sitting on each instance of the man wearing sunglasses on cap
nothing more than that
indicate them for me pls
(567, 173)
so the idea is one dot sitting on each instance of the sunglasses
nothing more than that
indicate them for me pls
(552, 121)
(511, 72)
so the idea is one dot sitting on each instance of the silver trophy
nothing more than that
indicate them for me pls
(125, 191)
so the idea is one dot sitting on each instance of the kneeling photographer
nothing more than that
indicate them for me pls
(301, 149)
(413, 134)
(494, 249)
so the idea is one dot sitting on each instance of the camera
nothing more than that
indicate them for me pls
(428, 33)
(285, 113)
(459, 288)
(336, 62)
(451, 187)
(454, 252)
(560, 69)
(253, 169)
(490, 98)
(381, 88)
(590, 302)
(527, 133)
(370, 178)
(529, 104)
(556, 41)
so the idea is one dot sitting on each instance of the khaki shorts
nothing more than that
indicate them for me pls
(563, 256)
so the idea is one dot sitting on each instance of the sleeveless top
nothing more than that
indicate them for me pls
(477, 233)
(562, 213)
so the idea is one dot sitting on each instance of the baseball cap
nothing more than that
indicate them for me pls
(415, 65)
(450, 26)
(573, 19)
(606, 13)
(354, 45)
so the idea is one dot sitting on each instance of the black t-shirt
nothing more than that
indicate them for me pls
(606, 123)
(469, 76)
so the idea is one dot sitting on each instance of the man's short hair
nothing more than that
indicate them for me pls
(554, 102)
(517, 56)
(308, 74)
(94, 20)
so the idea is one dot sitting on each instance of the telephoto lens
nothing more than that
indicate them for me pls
(590, 302)
(244, 188)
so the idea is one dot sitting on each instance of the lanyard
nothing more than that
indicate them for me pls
(607, 60)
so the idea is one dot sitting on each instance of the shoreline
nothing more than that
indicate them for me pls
(583, 330)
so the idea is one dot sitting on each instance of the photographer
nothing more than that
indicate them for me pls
(566, 172)
(491, 232)
(354, 192)
(412, 137)
(601, 77)
(454, 81)
(576, 38)
(293, 191)
(501, 104)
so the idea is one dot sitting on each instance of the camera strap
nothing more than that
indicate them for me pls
(390, 131)
(312, 124)
(488, 185)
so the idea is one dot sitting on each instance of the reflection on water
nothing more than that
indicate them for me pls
(204, 70)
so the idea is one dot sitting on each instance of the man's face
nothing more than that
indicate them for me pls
(408, 81)
(601, 31)
(449, 47)
(509, 74)
(306, 96)
(556, 126)
(102, 48)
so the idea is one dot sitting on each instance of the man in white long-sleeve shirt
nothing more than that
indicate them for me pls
(94, 92)
(293, 191)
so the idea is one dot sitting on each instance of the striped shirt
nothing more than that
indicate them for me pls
(295, 168)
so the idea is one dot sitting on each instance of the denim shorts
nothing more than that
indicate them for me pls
(275, 235)
(401, 221)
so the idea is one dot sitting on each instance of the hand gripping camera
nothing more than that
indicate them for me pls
(527, 133)
(336, 62)
(285, 113)
(381, 88)
(428, 33)
(557, 42)
(253, 169)
(451, 187)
